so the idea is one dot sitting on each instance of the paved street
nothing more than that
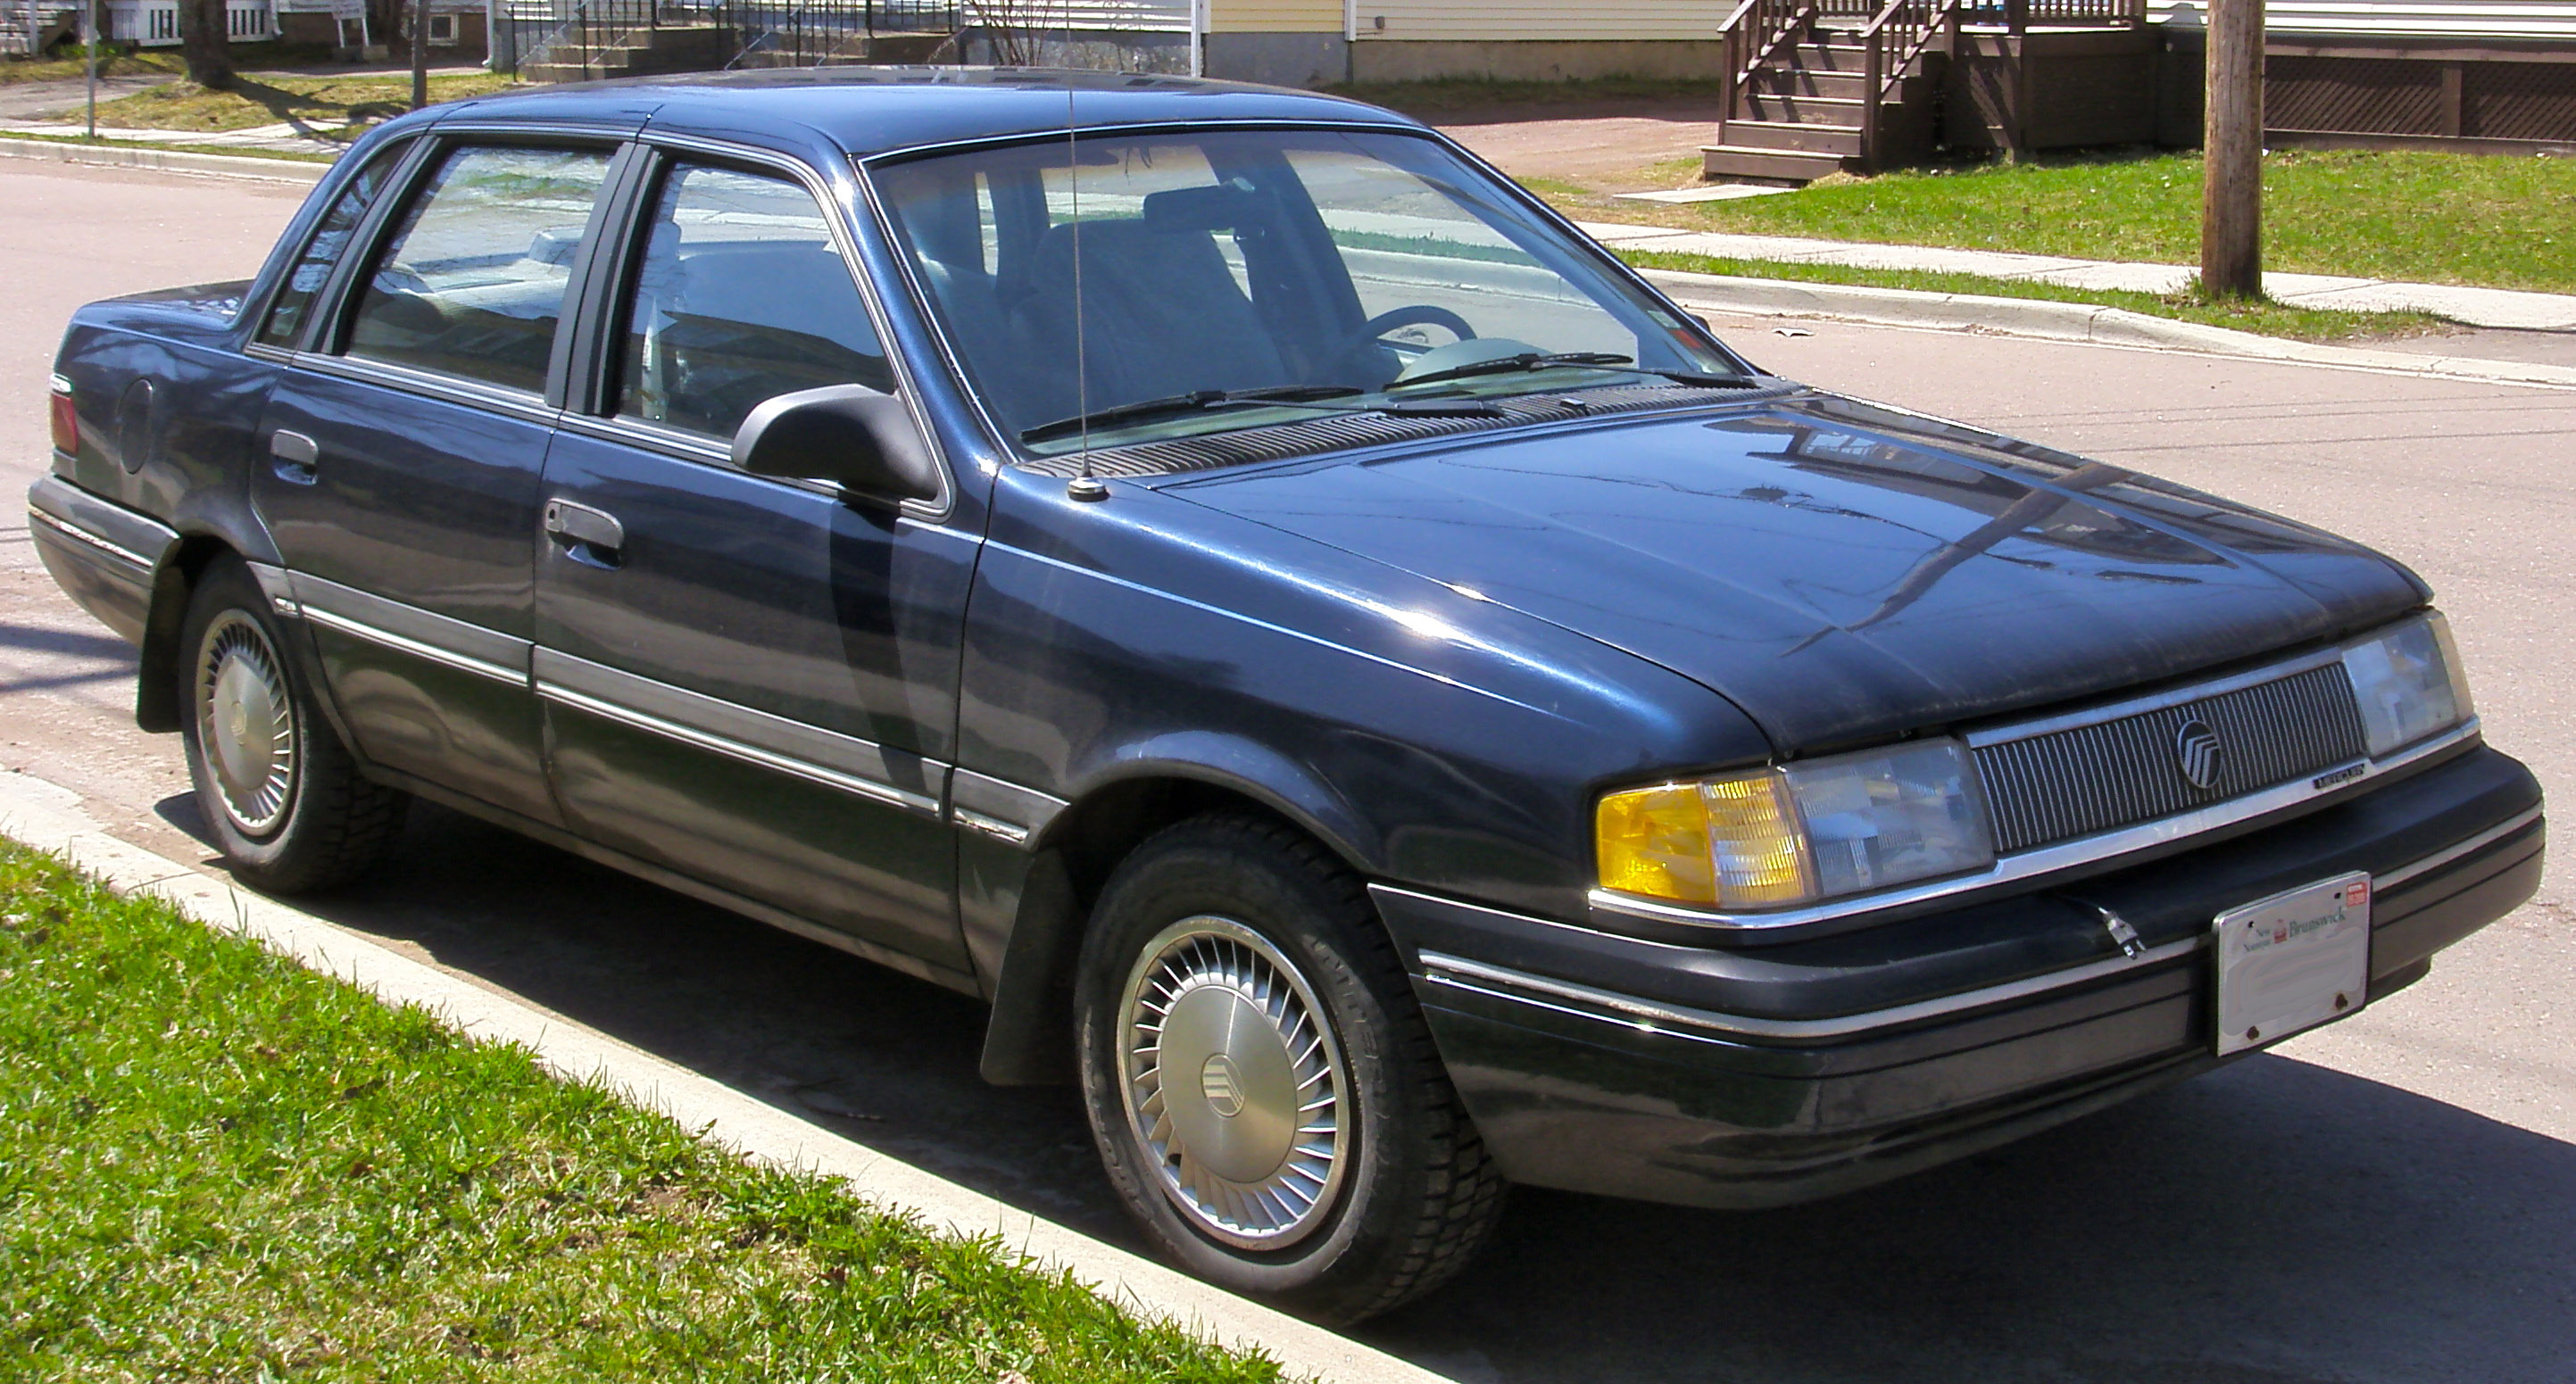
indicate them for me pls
(2393, 1199)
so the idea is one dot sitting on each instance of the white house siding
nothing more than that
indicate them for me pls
(1120, 16)
(1553, 20)
(2460, 19)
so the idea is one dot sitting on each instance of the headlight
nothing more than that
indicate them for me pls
(2409, 684)
(1775, 838)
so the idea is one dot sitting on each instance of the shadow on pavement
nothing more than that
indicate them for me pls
(2271, 1223)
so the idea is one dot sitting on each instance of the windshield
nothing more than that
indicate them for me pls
(1323, 270)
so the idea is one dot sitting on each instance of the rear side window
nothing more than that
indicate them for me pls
(741, 296)
(472, 282)
(330, 241)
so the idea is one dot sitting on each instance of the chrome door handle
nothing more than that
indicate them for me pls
(586, 535)
(293, 456)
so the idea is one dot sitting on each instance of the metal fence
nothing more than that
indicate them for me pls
(717, 33)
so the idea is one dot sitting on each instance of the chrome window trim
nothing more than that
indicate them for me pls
(612, 693)
(525, 405)
(1439, 968)
(142, 565)
(2083, 850)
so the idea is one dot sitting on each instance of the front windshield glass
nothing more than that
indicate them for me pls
(1324, 270)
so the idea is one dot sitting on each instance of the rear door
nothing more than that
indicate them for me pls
(753, 681)
(401, 450)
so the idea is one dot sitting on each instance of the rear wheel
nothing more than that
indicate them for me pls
(1262, 1086)
(283, 796)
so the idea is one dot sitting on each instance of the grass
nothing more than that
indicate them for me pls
(324, 105)
(2496, 221)
(215, 1165)
(2264, 317)
(1448, 95)
(16, 70)
(227, 150)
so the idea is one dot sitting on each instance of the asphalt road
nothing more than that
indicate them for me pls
(2392, 1199)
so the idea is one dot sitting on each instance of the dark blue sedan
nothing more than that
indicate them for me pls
(1358, 679)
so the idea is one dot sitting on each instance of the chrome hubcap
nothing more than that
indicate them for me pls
(1234, 1083)
(245, 724)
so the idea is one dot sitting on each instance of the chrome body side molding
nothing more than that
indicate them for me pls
(451, 643)
(827, 757)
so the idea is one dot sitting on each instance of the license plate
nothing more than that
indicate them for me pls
(2292, 961)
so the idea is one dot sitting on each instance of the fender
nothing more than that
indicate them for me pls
(1024, 908)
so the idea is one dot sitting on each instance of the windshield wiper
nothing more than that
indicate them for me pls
(1318, 396)
(1534, 360)
(1524, 361)
(1192, 402)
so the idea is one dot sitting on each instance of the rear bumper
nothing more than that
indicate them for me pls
(1749, 1077)
(103, 555)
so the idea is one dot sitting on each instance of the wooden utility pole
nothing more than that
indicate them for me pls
(2231, 186)
(419, 53)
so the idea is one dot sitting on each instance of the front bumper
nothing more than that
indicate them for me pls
(1762, 1075)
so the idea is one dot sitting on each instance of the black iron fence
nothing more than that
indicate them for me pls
(603, 38)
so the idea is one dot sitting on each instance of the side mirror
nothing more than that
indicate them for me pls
(852, 436)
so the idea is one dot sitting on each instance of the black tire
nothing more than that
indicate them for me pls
(1415, 1193)
(302, 818)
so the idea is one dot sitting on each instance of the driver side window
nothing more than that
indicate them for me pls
(741, 296)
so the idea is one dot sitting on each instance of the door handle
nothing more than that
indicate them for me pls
(293, 456)
(586, 535)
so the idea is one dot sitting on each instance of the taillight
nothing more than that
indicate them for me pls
(66, 419)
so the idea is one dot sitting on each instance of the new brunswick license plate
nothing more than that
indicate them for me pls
(2292, 961)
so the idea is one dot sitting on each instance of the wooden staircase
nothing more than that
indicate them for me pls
(1819, 86)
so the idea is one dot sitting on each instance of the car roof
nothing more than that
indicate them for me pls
(870, 110)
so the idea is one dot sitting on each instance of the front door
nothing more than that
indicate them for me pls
(751, 681)
(400, 463)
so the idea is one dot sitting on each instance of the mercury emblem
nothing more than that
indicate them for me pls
(2196, 753)
(1222, 1087)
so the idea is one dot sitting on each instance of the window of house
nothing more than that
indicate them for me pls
(442, 28)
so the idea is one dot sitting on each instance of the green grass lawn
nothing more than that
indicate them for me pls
(2497, 221)
(215, 1165)
(323, 104)
(2267, 318)
(15, 70)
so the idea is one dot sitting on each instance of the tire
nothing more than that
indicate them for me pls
(289, 810)
(1345, 1178)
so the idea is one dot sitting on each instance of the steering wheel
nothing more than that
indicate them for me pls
(1423, 314)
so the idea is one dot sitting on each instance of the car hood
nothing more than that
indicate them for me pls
(1842, 571)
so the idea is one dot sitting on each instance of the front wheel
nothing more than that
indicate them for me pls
(1262, 1086)
(283, 797)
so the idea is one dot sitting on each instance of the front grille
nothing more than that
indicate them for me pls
(2076, 782)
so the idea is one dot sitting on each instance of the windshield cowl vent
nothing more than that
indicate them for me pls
(1336, 432)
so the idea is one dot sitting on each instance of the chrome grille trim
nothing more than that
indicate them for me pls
(2088, 779)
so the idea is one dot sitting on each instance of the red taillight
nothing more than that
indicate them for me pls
(66, 419)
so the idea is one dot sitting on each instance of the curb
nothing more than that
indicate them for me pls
(49, 818)
(166, 160)
(2083, 322)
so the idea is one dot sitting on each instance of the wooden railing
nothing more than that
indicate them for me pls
(1891, 43)
(2020, 15)
(1749, 37)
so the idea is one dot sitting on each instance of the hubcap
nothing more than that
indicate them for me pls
(1234, 1083)
(246, 724)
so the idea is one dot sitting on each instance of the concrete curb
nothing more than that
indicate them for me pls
(2102, 326)
(166, 160)
(49, 818)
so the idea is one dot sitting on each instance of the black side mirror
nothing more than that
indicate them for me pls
(857, 438)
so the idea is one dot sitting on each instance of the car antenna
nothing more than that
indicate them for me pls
(1084, 486)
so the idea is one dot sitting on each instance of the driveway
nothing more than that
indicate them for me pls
(56, 100)
(2392, 1199)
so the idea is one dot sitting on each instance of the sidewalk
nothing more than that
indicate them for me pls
(2475, 307)
(280, 138)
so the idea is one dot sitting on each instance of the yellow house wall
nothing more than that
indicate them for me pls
(1275, 16)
